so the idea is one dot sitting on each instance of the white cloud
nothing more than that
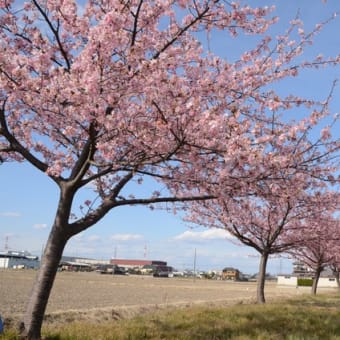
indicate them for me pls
(126, 237)
(10, 214)
(83, 238)
(209, 234)
(40, 226)
(94, 238)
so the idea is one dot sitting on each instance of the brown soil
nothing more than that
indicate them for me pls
(77, 296)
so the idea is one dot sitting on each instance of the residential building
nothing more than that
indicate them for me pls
(230, 273)
(301, 269)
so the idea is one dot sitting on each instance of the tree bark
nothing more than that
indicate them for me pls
(262, 278)
(316, 280)
(337, 278)
(31, 326)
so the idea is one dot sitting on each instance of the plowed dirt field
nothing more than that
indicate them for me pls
(103, 297)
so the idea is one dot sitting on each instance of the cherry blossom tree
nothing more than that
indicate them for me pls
(271, 224)
(335, 263)
(106, 95)
(277, 209)
(320, 249)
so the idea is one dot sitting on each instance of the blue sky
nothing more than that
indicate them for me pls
(28, 199)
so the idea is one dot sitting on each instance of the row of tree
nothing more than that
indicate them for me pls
(107, 94)
(279, 220)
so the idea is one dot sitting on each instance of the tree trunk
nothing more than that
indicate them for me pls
(316, 280)
(261, 278)
(31, 326)
(337, 278)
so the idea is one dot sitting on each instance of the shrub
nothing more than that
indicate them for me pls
(306, 282)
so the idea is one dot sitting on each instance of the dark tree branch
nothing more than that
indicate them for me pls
(135, 24)
(15, 146)
(96, 215)
(55, 33)
(117, 189)
(83, 162)
(181, 31)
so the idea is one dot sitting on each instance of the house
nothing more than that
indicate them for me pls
(230, 273)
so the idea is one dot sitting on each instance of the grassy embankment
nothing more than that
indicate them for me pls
(304, 318)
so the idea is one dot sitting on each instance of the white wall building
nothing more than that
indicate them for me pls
(287, 280)
(292, 280)
(18, 260)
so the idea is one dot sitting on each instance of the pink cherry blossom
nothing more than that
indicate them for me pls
(119, 91)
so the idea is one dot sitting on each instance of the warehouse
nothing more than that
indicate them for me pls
(136, 263)
(18, 260)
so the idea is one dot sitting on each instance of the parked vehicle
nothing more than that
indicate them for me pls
(105, 269)
(119, 271)
(148, 269)
(163, 271)
(111, 269)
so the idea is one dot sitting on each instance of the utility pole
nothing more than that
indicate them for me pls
(145, 251)
(42, 252)
(195, 266)
(6, 243)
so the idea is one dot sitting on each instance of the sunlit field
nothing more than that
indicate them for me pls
(94, 306)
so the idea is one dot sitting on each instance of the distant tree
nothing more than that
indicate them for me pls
(281, 208)
(118, 91)
(270, 225)
(335, 264)
(320, 249)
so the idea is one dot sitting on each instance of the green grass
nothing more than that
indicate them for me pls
(304, 318)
